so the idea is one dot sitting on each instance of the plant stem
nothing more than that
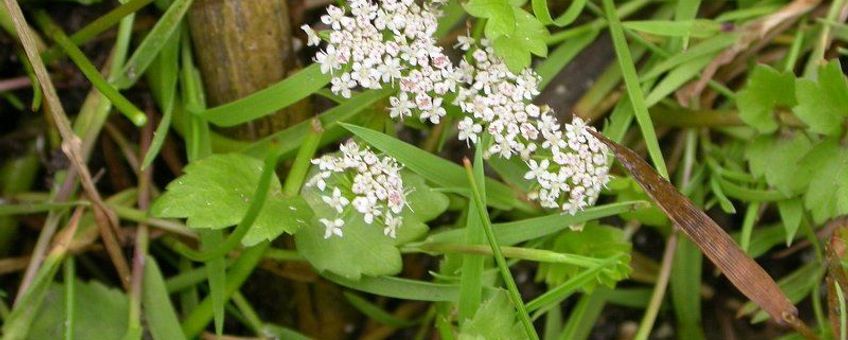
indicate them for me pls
(514, 295)
(659, 289)
(123, 105)
(529, 254)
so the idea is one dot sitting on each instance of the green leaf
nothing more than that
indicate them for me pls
(494, 320)
(823, 104)
(766, 90)
(826, 166)
(791, 212)
(100, 313)
(364, 249)
(269, 100)
(595, 241)
(499, 14)
(540, 9)
(511, 233)
(215, 193)
(159, 313)
(776, 158)
(153, 43)
(515, 48)
(699, 28)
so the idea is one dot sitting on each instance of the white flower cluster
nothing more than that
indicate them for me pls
(391, 42)
(361, 179)
(570, 171)
(498, 101)
(387, 43)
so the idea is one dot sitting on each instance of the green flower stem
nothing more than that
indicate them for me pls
(138, 216)
(189, 278)
(514, 295)
(232, 241)
(89, 70)
(650, 315)
(249, 313)
(31, 208)
(69, 277)
(195, 322)
(96, 27)
(303, 159)
(529, 254)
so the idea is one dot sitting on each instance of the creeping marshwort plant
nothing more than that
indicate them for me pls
(392, 41)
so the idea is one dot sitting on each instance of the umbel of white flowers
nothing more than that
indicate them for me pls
(360, 179)
(389, 43)
(568, 168)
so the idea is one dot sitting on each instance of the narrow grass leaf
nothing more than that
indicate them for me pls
(269, 100)
(216, 273)
(511, 233)
(290, 139)
(88, 69)
(540, 9)
(162, 80)
(153, 43)
(375, 312)
(399, 288)
(634, 90)
(159, 313)
(471, 289)
(668, 28)
(709, 46)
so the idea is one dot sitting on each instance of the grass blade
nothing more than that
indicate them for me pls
(161, 317)
(153, 43)
(471, 289)
(506, 275)
(88, 69)
(269, 100)
(511, 233)
(634, 90)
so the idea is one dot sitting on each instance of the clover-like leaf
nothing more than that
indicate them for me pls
(596, 241)
(776, 158)
(766, 90)
(826, 166)
(499, 14)
(364, 249)
(494, 320)
(528, 38)
(823, 104)
(215, 192)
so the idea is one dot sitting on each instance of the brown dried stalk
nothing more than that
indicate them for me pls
(106, 219)
(742, 271)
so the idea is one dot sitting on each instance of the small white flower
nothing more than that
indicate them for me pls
(333, 227)
(337, 201)
(312, 38)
